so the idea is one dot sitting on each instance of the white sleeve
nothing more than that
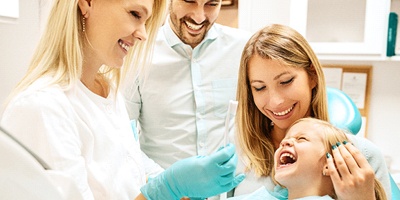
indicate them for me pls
(152, 168)
(44, 122)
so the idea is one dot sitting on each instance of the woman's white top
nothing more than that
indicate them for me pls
(86, 136)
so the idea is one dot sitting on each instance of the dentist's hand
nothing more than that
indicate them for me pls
(198, 176)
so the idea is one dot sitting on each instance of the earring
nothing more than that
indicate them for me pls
(324, 171)
(83, 24)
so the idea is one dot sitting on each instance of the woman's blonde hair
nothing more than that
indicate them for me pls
(59, 52)
(284, 44)
(332, 136)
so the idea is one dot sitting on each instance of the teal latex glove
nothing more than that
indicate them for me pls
(197, 176)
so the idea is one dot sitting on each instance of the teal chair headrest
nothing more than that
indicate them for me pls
(343, 113)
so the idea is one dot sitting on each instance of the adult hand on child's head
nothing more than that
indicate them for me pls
(197, 176)
(351, 174)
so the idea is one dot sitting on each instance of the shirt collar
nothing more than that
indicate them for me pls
(172, 39)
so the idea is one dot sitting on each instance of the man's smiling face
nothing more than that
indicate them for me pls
(191, 19)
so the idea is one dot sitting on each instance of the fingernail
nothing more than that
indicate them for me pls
(345, 142)
(239, 178)
(328, 155)
(334, 147)
(337, 143)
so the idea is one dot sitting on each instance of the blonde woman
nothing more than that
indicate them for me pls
(69, 111)
(281, 81)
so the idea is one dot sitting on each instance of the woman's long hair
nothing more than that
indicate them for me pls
(59, 52)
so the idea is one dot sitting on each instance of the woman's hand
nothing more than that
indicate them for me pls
(351, 174)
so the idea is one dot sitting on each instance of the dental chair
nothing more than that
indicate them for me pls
(23, 175)
(343, 113)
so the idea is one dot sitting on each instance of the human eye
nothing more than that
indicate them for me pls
(301, 138)
(257, 89)
(213, 3)
(189, 1)
(287, 81)
(136, 14)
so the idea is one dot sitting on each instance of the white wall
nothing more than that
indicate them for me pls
(18, 39)
(385, 110)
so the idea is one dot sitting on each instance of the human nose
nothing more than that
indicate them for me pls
(275, 98)
(287, 142)
(141, 33)
(199, 14)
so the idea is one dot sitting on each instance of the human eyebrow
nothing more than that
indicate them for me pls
(281, 74)
(256, 81)
(145, 11)
(142, 11)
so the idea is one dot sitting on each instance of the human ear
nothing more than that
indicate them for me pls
(325, 170)
(313, 77)
(85, 7)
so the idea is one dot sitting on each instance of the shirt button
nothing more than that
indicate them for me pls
(201, 144)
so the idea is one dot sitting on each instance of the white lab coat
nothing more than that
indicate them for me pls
(82, 135)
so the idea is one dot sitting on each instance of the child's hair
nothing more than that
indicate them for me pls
(331, 136)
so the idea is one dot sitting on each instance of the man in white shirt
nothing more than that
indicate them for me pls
(182, 104)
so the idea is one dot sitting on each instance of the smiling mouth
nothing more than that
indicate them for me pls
(285, 112)
(124, 45)
(287, 159)
(193, 26)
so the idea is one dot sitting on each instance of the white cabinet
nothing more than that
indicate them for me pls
(9, 11)
(333, 27)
